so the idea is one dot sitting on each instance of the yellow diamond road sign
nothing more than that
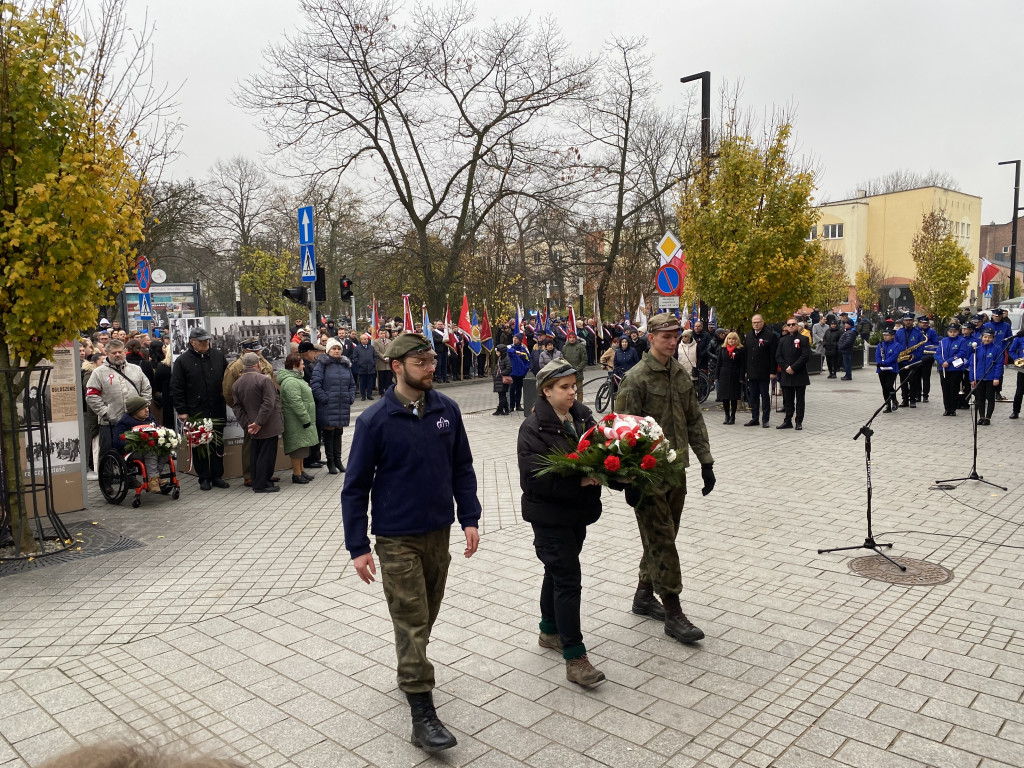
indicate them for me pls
(668, 247)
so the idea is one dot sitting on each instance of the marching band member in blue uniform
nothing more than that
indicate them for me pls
(952, 357)
(910, 378)
(885, 357)
(986, 373)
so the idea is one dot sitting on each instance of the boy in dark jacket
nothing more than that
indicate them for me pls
(136, 415)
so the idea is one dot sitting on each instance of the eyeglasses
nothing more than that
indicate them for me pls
(791, 323)
(431, 363)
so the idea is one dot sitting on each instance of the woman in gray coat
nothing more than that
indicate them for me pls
(334, 389)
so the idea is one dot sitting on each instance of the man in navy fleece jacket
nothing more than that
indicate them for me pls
(411, 460)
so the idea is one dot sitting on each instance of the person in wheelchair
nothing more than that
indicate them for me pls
(137, 414)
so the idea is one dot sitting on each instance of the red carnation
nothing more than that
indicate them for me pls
(631, 441)
(612, 463)
(573, 456)
(609, 418)
(648, 462)
(584, 444)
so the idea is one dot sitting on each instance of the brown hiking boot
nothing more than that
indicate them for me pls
(554, 642)
(677, 626)
(646, 604)
(582, 672)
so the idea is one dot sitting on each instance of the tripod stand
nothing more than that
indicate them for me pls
(867, 432)
(973, 397)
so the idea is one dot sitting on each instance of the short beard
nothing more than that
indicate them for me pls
(419, 386)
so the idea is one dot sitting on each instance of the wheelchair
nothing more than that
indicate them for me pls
(118, 472)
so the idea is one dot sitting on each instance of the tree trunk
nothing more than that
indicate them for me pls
(11, 453)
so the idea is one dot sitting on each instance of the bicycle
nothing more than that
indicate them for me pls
(605, 400)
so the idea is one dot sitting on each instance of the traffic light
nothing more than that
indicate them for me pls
(320, 286)
(346, 288)
(298, 295)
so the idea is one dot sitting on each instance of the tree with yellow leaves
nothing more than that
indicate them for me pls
(942, 267)
(744, 220)
(264, 276)
(70, 201)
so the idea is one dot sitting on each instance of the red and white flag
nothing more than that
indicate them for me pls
(449, 333)
(988, 271)
(570, 325)
(465, 325)
(408, 326)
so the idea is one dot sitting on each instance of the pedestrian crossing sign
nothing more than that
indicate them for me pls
(308, 263)
(145, 307)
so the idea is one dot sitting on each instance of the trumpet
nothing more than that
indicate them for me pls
(1019, 362)
(908, 353)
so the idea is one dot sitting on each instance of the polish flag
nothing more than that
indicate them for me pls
(988, 271)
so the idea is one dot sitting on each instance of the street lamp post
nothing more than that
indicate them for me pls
(705, 111)
(1016, 208)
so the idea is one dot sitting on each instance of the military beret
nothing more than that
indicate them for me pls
(556, 369)
(406, 343)
(663, 322)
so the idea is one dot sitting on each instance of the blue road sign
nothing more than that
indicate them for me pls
(668, 280)
(145, 307)
(306, 225)
(308, 260)
(143, 276)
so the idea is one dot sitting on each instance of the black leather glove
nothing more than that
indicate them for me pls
(306, 425)
(632, 495)
(707, 474)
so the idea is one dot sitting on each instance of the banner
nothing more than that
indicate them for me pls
(475, 342)
(485, 332)
(640, 319)
(449, 333)
(376, 320)
(570, 324)
(408, 326)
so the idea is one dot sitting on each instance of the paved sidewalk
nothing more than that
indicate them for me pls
(240, 628)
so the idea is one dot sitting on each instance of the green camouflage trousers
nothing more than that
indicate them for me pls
(413, 571)
(657, 517)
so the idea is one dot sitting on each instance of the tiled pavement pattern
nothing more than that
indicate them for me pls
(239, 628)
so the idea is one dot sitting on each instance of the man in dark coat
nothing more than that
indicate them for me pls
(310, 352)
(364, 364)
(196, 381)
(761, 346)
(258, 410)
(793, 353)
(703, 339)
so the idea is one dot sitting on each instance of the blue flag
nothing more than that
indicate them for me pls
(519, 321)
(473, 342)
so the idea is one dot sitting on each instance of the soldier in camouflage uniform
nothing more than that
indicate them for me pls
(410, 456)
(660, 387)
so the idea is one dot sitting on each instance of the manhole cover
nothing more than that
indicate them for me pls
(90, 541)
(919, 573)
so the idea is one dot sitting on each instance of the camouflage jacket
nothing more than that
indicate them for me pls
(666, 392)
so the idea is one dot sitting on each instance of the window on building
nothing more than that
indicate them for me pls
(814, 233)
(832, 231)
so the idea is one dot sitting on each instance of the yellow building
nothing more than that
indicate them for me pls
(885, 225)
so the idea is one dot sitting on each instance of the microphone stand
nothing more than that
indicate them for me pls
(867, 432)
(973, 396)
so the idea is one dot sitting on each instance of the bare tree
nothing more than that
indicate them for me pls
(435, 113)
(635, 152)
(903, 179)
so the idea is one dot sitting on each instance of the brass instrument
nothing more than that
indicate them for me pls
(1019, 362)
(908, 353)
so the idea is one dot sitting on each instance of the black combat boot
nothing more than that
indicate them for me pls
(646, 604)
(676, 624)
(427, 731)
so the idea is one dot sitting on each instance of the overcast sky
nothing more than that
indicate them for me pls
(877, 85)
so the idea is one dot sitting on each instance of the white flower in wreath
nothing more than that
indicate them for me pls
(672, 455)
